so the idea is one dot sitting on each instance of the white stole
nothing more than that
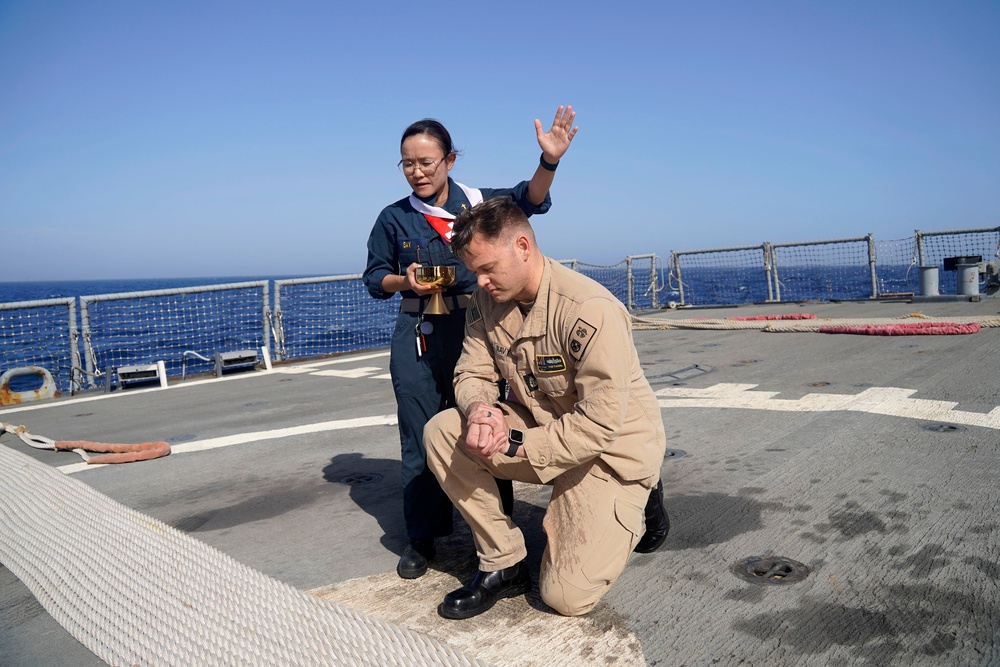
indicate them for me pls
(474, 196)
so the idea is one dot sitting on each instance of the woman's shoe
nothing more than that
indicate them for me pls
(413, 562)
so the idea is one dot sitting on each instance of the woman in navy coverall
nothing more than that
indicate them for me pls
(413, 232)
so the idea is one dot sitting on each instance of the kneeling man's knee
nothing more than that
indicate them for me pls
(443, 430)
(567, 598)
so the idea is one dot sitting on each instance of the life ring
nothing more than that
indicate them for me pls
(10, 397)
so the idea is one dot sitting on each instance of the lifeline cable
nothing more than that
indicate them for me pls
(136, 591)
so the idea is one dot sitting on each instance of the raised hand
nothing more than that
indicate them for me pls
(556, 141)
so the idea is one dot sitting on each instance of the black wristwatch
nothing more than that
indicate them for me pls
(515, 437)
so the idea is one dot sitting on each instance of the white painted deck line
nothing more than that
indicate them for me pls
(890, 401)
(256, 436)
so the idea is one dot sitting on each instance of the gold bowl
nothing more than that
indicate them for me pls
(439, 277)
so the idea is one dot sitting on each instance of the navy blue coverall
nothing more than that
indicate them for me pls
(423, 385)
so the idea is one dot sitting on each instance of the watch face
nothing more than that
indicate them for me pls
(516, 436)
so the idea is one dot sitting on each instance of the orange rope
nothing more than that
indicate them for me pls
(107, 452)
(115, 453)
(905, 329)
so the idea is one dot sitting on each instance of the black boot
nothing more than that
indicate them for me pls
(413, 562)
(484, 590)
(657, 522)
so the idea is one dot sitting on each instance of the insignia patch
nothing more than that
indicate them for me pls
(550, 363)
(472, 314)
(530, 382)
(407, 245)
(580, 338)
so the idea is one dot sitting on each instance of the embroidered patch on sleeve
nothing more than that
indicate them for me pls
(550, 363)
(472, 314)
(579, 338)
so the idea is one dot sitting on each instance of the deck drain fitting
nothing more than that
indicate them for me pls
(770, 570)
(820, 384)
(943, 428)
(674, 454)
(359, 478)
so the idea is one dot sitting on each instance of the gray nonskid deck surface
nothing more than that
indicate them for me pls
(896, 523)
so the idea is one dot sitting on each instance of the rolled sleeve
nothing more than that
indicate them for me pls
(519, 193)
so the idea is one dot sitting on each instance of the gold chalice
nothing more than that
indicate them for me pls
(436, 276)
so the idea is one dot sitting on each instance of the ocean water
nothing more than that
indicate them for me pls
(339, 316)
(702, 286)
(335, 317)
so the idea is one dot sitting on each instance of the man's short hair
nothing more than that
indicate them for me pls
(491, 219)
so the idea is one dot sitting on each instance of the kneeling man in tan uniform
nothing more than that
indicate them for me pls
(579, 415)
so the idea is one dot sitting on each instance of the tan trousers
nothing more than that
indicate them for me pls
(592, 523)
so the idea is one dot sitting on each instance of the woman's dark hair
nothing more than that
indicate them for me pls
(434, 130)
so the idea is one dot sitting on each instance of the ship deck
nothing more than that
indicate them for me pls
(870, 460)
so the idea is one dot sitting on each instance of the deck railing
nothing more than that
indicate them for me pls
(851, 268)
(183, 327)
(635, 280)
(186, 327)
(40, 333)
(328, 315)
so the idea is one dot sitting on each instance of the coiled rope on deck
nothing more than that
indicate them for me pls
(136, 591)
(105, 452)
(912, 324)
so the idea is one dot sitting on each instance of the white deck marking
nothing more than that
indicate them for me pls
(350, 373)
(339, 360)
(892, 401)
(364, 371)
(257, 436)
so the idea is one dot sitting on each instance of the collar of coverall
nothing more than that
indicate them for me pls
(472, 194)
(535, 322)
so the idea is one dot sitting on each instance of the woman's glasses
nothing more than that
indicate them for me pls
(426, 166)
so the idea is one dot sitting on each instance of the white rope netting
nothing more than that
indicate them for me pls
(136, 591)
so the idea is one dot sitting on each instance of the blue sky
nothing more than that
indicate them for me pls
(178, 139)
